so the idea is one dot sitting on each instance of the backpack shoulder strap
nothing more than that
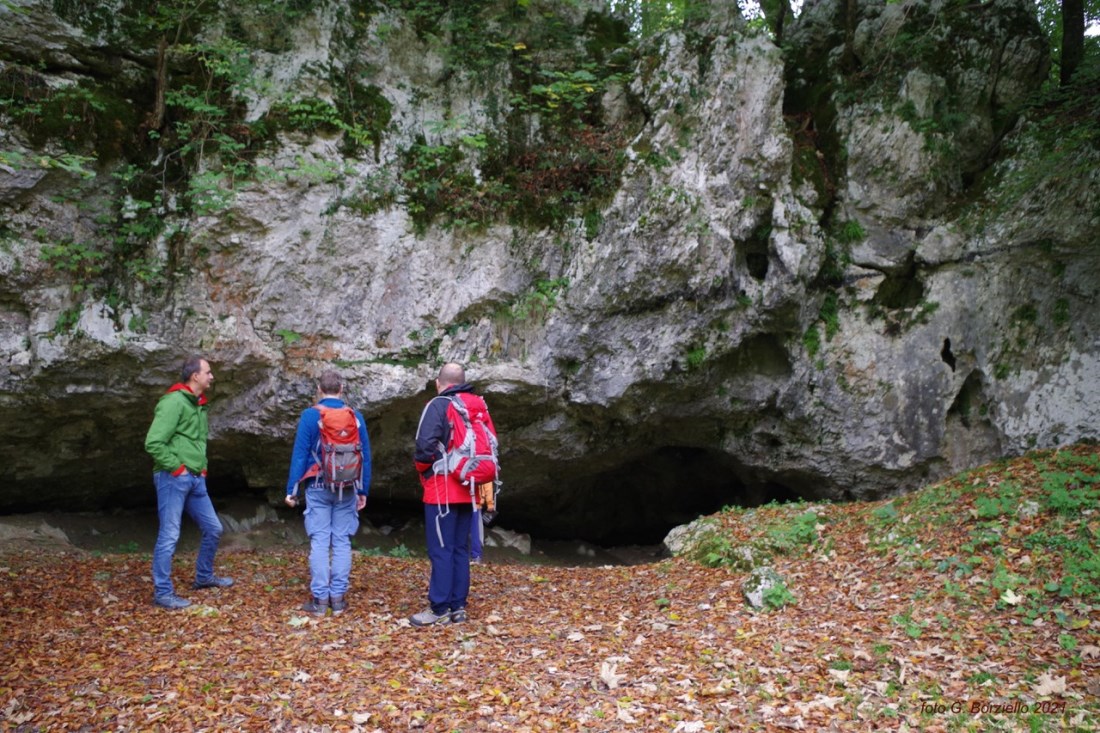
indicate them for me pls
(460, 406)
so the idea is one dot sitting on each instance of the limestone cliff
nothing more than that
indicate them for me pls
(684, 270)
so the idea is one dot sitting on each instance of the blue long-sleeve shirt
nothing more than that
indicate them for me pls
(307, 442)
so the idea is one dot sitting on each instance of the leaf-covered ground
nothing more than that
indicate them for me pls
(970, 605)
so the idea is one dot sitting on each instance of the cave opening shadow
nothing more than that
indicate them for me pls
(641, 499)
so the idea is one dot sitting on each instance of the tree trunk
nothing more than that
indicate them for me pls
(156, 118)
(776, 12)
(1073, 37)
(851, 17)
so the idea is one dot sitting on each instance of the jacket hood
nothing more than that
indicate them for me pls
(181, 387)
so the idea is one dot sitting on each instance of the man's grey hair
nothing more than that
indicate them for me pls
(330, 382)
(191, 366)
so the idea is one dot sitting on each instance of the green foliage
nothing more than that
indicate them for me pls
(886, 514)
(76, 165)
(361, 113)
(696, 356)
(1004, 502)
(786, 538)
(540, 299)
(436, 183)
(850, 232)
(830, 315)
(553, 156)
(715, 549)
(289, 337)
(837, 259)
(913, 629)
(66, 321)
(1049, 13)
(566, 92)
(204, 123)
(811, 340)
(1060, 144)
(777, 596)
(78, 118)
(1061, 315)
(650, 17)
(401, 551)
(1071, 492)
(308, 115)
(79, 260)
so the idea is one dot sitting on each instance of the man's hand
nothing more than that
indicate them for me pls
(291, 500)
(360, 502)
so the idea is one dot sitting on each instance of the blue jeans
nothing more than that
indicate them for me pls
(475, 535)
(450, 581)
(331, 522)
(174, 495)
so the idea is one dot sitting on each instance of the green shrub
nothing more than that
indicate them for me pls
(789, 537)
(778, 596)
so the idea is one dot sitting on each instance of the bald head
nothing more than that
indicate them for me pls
(450, 375)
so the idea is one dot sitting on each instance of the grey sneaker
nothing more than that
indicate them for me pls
(212, 582)
(316, 606)
(172, 602)
(339, 605)
(429, 617)
(458, 615)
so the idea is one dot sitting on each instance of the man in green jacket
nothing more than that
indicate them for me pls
(177, 443)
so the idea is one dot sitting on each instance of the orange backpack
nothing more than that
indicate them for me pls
(340, 451)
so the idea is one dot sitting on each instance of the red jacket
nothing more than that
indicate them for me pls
(432, 437)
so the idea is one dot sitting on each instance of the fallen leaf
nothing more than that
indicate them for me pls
(1047, 684)
(609, 675)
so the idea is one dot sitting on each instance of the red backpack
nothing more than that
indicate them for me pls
(471, 455)
(340, 452)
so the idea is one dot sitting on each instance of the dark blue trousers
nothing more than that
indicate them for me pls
(448, 534)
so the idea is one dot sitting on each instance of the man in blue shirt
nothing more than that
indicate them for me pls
(332, 515)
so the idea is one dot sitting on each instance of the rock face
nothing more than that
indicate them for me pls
(802, 283)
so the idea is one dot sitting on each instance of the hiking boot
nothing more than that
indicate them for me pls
(458, 615)
(429, 617)
(212, 582)
(172, 602)
(339, 605)
(316, 606)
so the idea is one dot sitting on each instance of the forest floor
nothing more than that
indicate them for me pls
(973, 604)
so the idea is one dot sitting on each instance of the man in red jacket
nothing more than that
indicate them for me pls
(448, 507)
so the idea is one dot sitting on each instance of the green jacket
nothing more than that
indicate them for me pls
(178, 434)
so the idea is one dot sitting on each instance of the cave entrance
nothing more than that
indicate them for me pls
(638, 501)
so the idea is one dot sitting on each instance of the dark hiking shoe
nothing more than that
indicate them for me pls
(212, 582)
(458, 615)
(316, 606)
(430, 618)
(339, 605)
(172, 602)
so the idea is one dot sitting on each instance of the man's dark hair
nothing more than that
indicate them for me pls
(330, 382)
(190, 366)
